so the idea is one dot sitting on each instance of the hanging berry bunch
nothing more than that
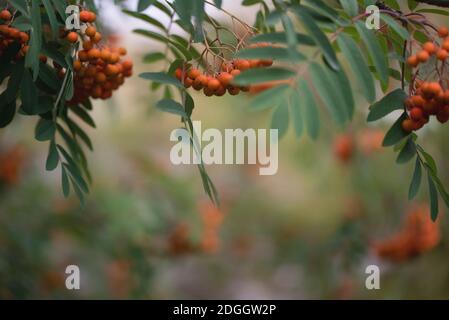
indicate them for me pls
(10, 37)
(429, 91)
(219, 80)
(98, 68)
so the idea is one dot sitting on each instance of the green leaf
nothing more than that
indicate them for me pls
(408, 152)
(146, 18)
(171, 106)
(281, 37)
(7, 111)
(189, 104)
(394, 24)
(311, 115)
(280, 118)
(434, 11)
(268, 53)
(396, 133)
(297, 113)
(350, 6)
(433, 198)
(144, 4)
(269, 98)
(51, 17)
(328, 93)
(416, 180)
(32, 57)
(65, 182)
(83, 115)
(320, 38)
(262, 75)
(21, 5)
(375, 50)
(391, 102)
(358, 65)
(160, 77)
(28, 94)
(154, 57)
(52, 157)
(45, 130)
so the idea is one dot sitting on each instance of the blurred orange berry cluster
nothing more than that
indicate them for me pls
(368, 141)
(10, 165)
(98, 69)
(428, 98)
(218, 83)
(418, 235)
(10, 35)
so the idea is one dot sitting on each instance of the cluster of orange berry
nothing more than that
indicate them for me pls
(99, 69)
(428, 98)
(430, 48)
(10, 35)
(218, 83)
(418, 236)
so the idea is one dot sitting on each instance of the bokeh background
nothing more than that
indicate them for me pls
(148, 231)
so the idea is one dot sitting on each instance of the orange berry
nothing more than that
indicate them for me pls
(91, 31)
(5, 15)
(72, 37)
(208, 92)
(97, 92)
(423, 56)
(443, 32)
(105, 54)
(193, 73)
(417, 101)
(266, 63)
(227, 66)
(87, 45)
(416, 114)
(254, 63)
(114, 58)
(91, 71)
(93, 54)
(24, 37)
(213, 84)
(221, 91)
(92, 17)
(225, 78)
(412, 61)
(435, 88)
(430, 47)
(445, 45)
(242, 65)
(197, 84)
(111, 70)
(77, 65)
(127, 65)
(442, 54)
(188, 82)
(122, 51)
(233, 91)
(408, 125)
(85, 16)
(235, 72)
(96, 38)
(178, 74)
(82, 55)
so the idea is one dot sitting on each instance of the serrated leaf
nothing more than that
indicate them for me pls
(416, 180)
(311, 115)
(319, 37)
(280, 118)
(171, 106)
(270, 98)
(297, 113)
(262, 75)
(358, 65)
(52, 157)
(375, 50)
(396, 133)
(391, 102)
(160, 77)
(433, 195)
(45, 130)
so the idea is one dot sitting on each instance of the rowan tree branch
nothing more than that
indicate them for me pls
(439, 3)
